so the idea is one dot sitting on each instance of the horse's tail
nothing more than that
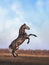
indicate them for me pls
(32, 35)
(10, 46)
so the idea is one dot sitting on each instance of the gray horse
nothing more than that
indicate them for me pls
(20, 39)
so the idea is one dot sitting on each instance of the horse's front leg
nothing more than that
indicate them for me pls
(28, 40)
(32, 35)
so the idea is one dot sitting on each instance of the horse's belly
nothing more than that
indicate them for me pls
(20, 41)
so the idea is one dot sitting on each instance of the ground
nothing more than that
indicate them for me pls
(6, 58)
(24, 60)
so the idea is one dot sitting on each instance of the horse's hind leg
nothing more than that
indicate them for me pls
(16, 50)
(13, 53)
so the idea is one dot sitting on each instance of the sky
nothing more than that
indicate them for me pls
(35, 13)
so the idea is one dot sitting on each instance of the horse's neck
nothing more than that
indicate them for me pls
(22, 31)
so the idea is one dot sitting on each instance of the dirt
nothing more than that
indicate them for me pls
(24, 60)
(6, 58)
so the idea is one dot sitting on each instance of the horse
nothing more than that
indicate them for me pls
(20, 39)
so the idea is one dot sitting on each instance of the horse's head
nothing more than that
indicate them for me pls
(26, 27)
(22, 29)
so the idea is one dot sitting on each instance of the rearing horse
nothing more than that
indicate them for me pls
(20, 39)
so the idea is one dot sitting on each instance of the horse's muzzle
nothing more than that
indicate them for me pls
(28, 28)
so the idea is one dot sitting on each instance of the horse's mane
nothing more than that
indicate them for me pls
(21, 30)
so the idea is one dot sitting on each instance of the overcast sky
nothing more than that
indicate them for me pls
(35, 13)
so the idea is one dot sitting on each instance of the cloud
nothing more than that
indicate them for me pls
(3, 13)
(37, 19)
(8, 24)
(11, 26)
(17, 8)
(1, 26)
(39, 3)
(45, 32)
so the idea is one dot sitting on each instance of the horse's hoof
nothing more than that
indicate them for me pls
(27, 42)
(16, 54)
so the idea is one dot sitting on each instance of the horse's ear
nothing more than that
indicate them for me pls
(24, 24)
